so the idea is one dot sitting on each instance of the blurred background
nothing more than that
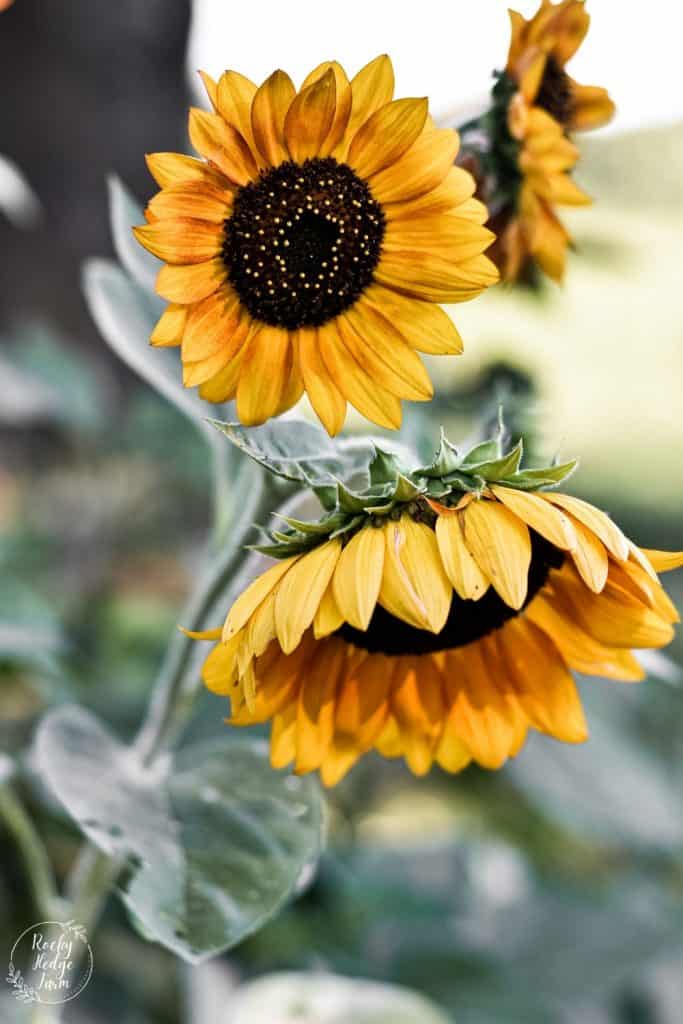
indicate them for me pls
(549, 892)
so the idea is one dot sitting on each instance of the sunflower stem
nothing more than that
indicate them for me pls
(36, 862)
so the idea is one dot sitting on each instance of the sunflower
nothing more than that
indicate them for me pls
(525, 170)
(438, 629)
(311, 247)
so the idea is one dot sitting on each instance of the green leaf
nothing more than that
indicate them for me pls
(125, 315)
(214, 841)
(331, 999)
(301, 451)
(124, 213)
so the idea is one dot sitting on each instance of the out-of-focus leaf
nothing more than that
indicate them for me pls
(125, 315)
(303, 452)
(214, 840)
(124, 213)
(18, 201)
(330, 999)
(609, 787)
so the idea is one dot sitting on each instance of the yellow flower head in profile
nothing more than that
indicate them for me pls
(438, 629)
(310, 248)
(536, 106)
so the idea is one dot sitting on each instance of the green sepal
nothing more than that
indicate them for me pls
(384, 468)
(496, 469)
(446, 460)
(487, 451)
(472, 484)
(322, 526)
(351, 524)
(544, 476)
(406, 489)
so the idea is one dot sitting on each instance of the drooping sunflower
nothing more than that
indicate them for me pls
(310, 248)
(437, 615)
(522, 146)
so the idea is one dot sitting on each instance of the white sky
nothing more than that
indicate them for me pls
(445, 49)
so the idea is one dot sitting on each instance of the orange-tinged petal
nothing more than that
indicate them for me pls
(543, 684)
(200, 370)
(264, 374)
(455, 189)
(500, 544)
(379, 348)
(194, 199)
(300, 592)
(424, 326)
(223, 386)
(358, 576)
(422, 168)
(343, 103)
(175, 168)
(467, 578)
(211, 325)
(326, 399)
(579, 650)
(414, 587)
(417, 701)
(222, 145)
(591, 107)
(309, 118)
(590, 557)
(317, 700)
(357, 386)
(189, 283)
(234, 96)
(328, 617)
(386, 135)
(283, 736)
(435, 277)
(170, 327)
(181, 241)
(268, 113)
(219, 671)
(479, 715)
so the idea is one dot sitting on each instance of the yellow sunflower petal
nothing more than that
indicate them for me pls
(198, 371)
(327, 401)
(421, 169)
(257, 591)
(181, 241)
(592, 107)
(170, 326)
(222, 145)
(358, 577)
(219, 671)
(468, 580)
(590, 557)
(436, 235)
(283, 736)
(263, 375)
(310, 116)
(596, 521)
(500, 544)
(386, 135)
(357, 386)
(223, 385)
(663, 561)
(540, 516)
(414, 586)
(191, 282)
(364, 700)
(371, 89)
(422, 325)
(301, 591)
(328, 617)
(269, 110)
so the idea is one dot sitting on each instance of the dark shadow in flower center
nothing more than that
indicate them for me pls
(555, 93)
(303, 242)
(467, 620)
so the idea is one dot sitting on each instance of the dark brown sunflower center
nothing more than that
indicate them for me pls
(555, 93)
(467, 620)
(303, 242)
